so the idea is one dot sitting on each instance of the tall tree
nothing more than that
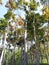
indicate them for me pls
(46, 15)
(34, 22)
(3, 26)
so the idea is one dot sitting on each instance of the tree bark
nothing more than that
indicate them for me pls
(25, 55)
(25, 46)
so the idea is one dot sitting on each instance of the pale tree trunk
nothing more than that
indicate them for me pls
(3, 39)
(2, 54)
(25, 47)
(1, 59)
(25, 54)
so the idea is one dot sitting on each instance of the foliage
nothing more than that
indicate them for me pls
(38, 23)
(8, 57)
(0, 1)
(11, 4)
(33, 5)
(3, 24)
(34, 25)
(8, 15)
(11, 37)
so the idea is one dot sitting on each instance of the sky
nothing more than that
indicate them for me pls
(3, 9)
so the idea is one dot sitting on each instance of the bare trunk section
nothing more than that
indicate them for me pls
(25, 54)
(3, 51)
(25, 46)
(13, 56)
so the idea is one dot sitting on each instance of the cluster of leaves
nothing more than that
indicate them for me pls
(16, 37)
(33, 4)
(8, 57)
(46, 12)
(11, 4)
(38, 22)
(20, 31)
(0, 1)
(8, 15)
(29, 24)
(3, 24)
(11, 37)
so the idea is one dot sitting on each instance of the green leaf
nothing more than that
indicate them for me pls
(8, 15)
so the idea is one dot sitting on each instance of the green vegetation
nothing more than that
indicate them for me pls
(13, 29)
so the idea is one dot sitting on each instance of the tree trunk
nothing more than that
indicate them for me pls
(3, 40)
(25, 55)
(13, 56)
(25, 46)
(35, 38)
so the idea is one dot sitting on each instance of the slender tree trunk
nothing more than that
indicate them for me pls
(25, 55)
(3, 40)
(13, 56)
(35, 38)
(21, 55)
(3, 51)
(25, 46)
(48, 43)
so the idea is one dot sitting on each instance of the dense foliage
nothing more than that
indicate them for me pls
(13, 28)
